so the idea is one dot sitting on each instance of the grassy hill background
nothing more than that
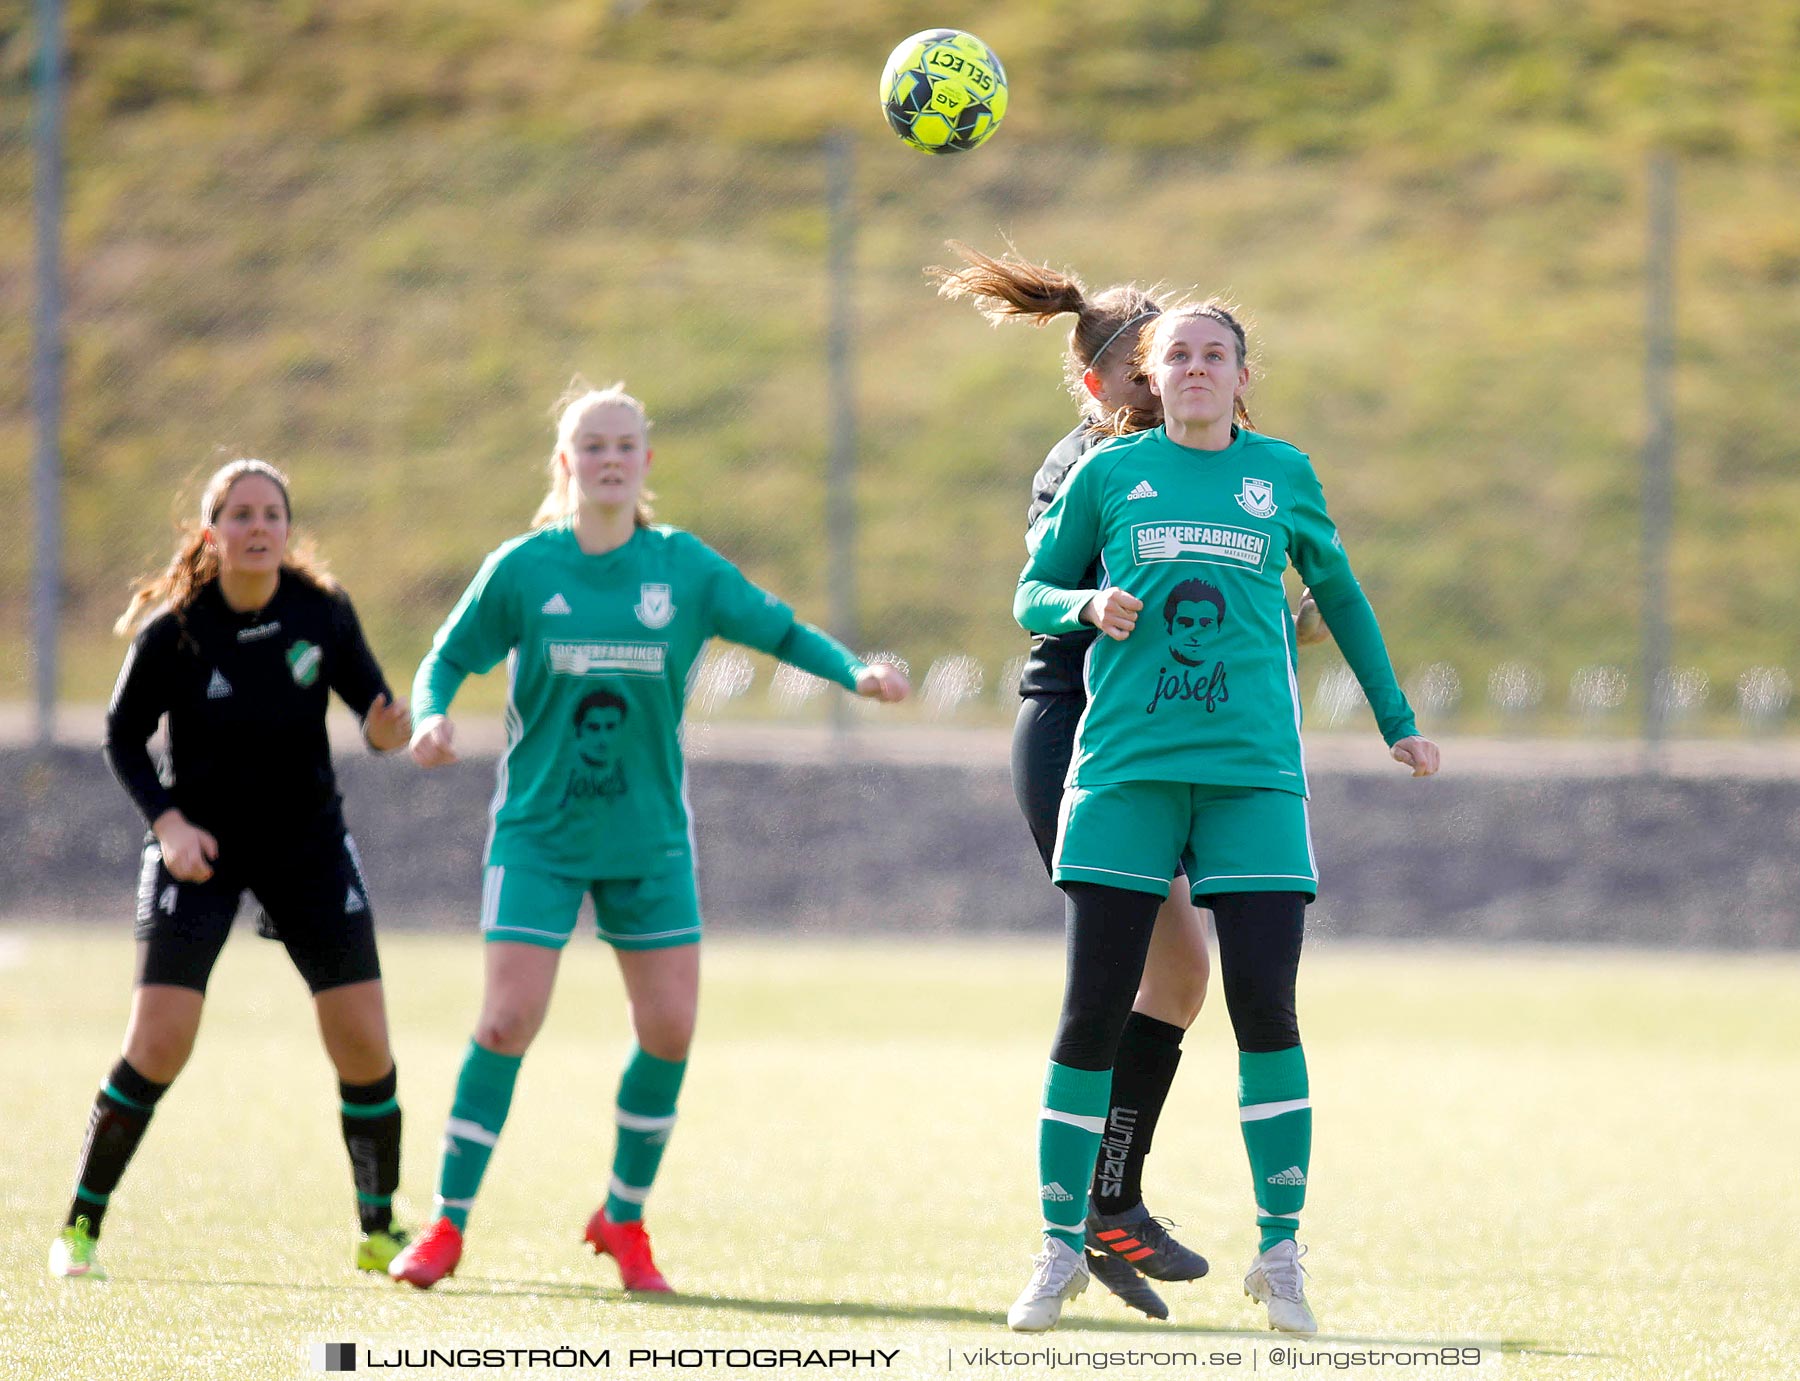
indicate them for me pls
(372, 241)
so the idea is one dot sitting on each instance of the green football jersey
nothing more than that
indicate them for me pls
(599, 649)
(1204, 689)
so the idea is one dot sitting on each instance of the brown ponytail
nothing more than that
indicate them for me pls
(196, 560)
(1010, 287)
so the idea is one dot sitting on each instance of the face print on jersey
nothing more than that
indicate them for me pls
(1193, 612)
(597, 720)
(598, 774)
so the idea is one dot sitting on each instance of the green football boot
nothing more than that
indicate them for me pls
(73, 1255)
(377, 1249)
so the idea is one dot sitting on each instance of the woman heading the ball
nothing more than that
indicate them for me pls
(1124, 1241)
(600, 615)
(242, 641)
(1190, 753)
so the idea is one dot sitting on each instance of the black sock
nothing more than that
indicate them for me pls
(122, 1110)
(1149, 1050)
(371, 1120)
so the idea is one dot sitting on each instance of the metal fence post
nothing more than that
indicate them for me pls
(1659, 447)
(46, 366)
(840, 470)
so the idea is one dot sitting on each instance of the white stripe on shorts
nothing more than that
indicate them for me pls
(356, 863)
(612, 936)
(490, 894)
(1110, 872)
(1257, 877)
(146, 896)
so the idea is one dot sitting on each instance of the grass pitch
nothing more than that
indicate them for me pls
(1579, 1161)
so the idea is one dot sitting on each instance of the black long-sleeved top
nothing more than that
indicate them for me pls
(245, 693)
(1054, 666)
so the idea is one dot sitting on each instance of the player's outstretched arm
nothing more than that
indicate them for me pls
(883, 681)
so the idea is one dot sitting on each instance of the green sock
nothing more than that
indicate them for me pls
(1069, 1130)
(1276, 1115)
(645, 1114)
(484, 1091)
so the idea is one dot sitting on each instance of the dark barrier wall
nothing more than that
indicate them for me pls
(926, 849)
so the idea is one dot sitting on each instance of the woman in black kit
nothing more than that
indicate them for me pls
(240, 644)
(1125, 1242)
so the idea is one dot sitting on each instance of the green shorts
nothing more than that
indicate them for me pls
(1225, 838)
(530, 907)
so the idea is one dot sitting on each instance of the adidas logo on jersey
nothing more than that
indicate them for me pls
(556, 604)
(1292, 1175)
(217, 688)
(354, 903)
(1143, 491)
(1054, 1193)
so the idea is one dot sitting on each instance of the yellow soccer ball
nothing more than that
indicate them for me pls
(944, 91)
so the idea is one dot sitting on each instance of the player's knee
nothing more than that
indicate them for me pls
(1087, 1035)
(507, 1031)
(1174, 991)
(667, 1047)
(1262, 1030)
(1189, 1002)
(1173, 998)
(665, 1034)
(362, 1058)
(159, 1055)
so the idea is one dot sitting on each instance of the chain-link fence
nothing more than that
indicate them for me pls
(1462, 353)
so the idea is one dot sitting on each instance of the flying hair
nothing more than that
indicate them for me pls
(1012, 288)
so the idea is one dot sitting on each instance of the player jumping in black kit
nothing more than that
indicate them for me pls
(241, 644)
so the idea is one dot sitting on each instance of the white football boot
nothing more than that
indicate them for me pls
(1058, 1274)
(1275, 1280)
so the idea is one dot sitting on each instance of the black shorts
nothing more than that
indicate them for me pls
(1043, 742)
(313, 899)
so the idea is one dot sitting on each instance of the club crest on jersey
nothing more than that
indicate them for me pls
(303, 660)
(654, 607)
(1257, 498)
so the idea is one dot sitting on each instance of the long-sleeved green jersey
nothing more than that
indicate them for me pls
(1204, 689)
(599, 649)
